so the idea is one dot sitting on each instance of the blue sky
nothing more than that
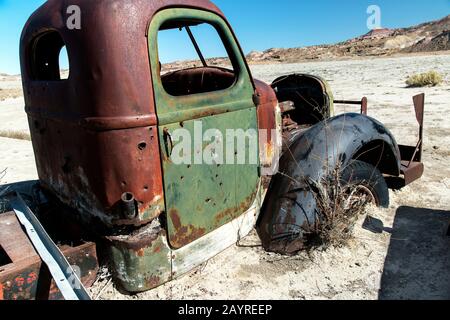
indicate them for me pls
(262, 24)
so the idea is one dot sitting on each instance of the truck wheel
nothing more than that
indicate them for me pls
(365, 181)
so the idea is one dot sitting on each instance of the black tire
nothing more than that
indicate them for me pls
(359, 173)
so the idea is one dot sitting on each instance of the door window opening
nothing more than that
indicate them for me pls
(193, 58)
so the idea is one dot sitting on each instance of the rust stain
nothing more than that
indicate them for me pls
(1, 292)
(183, 235)
(139, 240)
(233, 213)
(157, 249)
(153, 281)
(175, 219)
(266, 109)
(141, 252)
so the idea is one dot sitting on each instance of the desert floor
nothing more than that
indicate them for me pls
(404, 253)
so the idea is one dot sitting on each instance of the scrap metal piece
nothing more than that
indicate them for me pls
(65, 277)
(23, 275)
(363, 103)
(412, 165)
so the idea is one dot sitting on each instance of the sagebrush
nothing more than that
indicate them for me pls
(427, 79)
(13, 134)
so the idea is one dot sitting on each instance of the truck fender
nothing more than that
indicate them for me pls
(290, 205)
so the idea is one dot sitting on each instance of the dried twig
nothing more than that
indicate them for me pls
(103, 289)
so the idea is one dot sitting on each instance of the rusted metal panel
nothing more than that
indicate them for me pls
(141, 261)
(88, 130)
(412, 166)
(269, 124)
(26, 277)
(12, 239)
(412, 171)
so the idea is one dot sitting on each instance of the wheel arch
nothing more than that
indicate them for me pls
(290, 201)
(381, 155)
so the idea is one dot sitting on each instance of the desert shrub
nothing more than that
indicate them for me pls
(339, 205)
(12, 134)
(431, 78)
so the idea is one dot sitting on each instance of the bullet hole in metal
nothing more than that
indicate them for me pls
(142, 146)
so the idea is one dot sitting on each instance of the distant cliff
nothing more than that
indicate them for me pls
(426, 37)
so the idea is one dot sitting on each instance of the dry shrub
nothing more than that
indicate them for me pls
(431, 78)
(339, 205)
(18, 135)
(12, 93)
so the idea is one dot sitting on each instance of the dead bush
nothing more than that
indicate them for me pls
(11, 93)
(13, 134)
(431, 78)
(339, 206)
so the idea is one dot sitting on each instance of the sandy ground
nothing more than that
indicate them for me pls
(403, 253)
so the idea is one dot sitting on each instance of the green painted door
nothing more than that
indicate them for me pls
(209, 141)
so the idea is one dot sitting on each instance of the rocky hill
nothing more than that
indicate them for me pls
(426, 37)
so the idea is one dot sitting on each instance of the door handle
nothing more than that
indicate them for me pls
(168, 143)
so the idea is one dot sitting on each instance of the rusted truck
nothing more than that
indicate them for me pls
(104, 139)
